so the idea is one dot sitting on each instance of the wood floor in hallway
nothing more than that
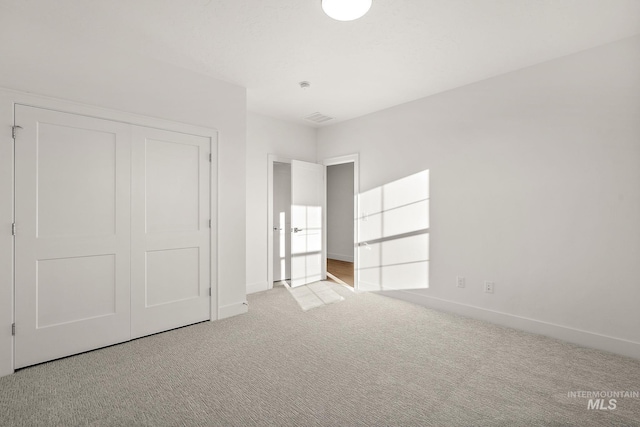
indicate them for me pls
(343, 270)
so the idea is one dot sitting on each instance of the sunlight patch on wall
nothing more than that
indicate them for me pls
(393, 247)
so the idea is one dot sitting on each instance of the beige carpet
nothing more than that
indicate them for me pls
(365, 361)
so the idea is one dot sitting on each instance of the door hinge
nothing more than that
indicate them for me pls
(13, 329)
(209, 291)
(210, 157)
(13, 229)
(209, 223)
(14, 130)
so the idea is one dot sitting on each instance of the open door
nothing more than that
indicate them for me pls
(307, 196)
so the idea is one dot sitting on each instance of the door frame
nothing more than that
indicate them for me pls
(8, 99)
(350, 158)
(332, 161)
(271, 159)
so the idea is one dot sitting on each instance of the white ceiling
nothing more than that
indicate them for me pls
(400, 51)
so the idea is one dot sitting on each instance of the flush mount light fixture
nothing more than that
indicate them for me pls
(346, 10)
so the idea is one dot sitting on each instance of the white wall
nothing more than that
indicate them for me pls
(340, 212)
(142, 86)
(535, 185)
(266, 136)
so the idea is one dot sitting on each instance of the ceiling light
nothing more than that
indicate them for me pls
(346, 10)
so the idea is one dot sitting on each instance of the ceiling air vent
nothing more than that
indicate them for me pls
(318, 118)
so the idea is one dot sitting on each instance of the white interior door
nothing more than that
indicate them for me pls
(113, 236)
(307, 197)
(72, 244)
(170, 230)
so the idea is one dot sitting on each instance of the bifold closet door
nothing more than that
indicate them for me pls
(72, 243)
(113, 232)
(170, 277)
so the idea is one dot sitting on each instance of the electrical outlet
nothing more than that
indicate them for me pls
(488, 287)
(460, 281)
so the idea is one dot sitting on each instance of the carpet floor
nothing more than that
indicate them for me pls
(367, 360)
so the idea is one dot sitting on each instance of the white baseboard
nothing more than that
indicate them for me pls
(232, 310)
(6, 367)
(576, 336)
(373, 287)
(346, 258)
(257, 287)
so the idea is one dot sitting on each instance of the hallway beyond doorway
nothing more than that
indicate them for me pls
(342, 270)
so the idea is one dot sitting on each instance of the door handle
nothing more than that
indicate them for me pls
(296, 230)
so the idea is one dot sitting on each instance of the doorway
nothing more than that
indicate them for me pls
(340, 223)
(295, 222)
